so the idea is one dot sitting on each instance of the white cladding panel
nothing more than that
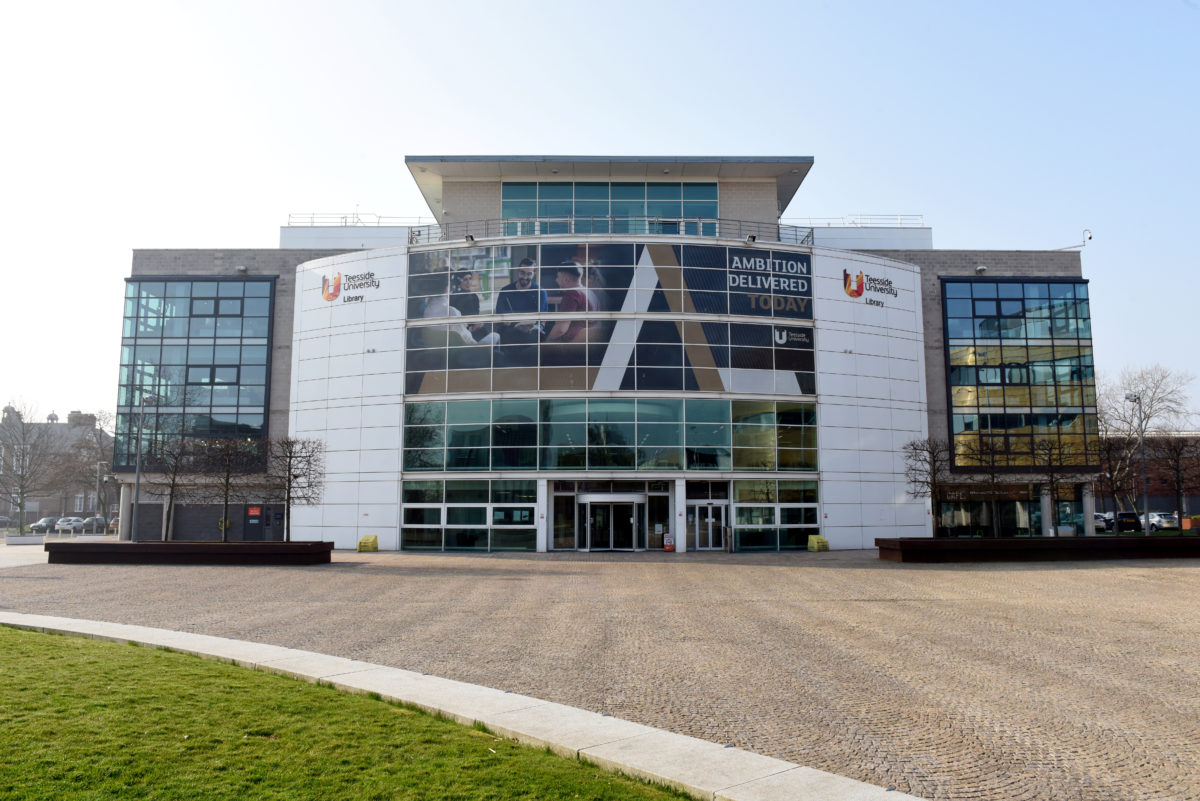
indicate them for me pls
(348, 384)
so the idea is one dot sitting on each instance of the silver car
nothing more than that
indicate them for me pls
(1160, 520)
(69, 525)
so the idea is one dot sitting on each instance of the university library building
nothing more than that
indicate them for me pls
(618, 354)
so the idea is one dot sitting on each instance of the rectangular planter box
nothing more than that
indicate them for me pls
(1035, 549)
(190, 553)
(26, 539)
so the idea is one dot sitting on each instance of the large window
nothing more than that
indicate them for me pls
(470, 515)
(609, 317)
(195, 361)
(1020, 375)
(601, 208)
(610, 434)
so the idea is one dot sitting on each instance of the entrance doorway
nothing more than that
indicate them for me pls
(706, 526)
(611, 522)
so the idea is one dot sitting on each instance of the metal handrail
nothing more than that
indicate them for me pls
(862, 221)
(745, 230)
(347, 219)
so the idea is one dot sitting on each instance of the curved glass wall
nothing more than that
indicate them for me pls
(609, 317)
(610, 434)
(627, 359)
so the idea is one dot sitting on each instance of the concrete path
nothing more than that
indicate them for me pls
(704, 770)
(1072, 681)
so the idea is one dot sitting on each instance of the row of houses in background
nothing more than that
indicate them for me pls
(49, 468)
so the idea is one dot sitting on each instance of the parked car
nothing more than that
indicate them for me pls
(1129, 521)
(114, 525)
(1103, 522)
(69, 525)
(44, 526)
(6, 522)
(1159, 521)
(94, 525)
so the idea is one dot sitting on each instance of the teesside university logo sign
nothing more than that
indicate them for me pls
(856, 286)
(331, 289)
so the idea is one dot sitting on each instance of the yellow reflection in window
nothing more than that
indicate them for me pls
(1016, 396)
(962, 355)
(964, 396)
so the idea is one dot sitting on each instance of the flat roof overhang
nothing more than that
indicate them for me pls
(430, 172)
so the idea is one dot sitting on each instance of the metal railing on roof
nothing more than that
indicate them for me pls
(862, 221)
(355, 218)
(747, 231)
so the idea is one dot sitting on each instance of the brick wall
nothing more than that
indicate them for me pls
(467, 201)
(747, 200)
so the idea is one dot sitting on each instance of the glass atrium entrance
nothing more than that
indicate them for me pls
(612, 522)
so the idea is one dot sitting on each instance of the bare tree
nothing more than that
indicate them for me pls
(233, 473)
(927, 468)
(986, 457)
(1176, 462)
(28, 466)
(1164, 402)
(1059, 465)
(171, 476)
(296, 474)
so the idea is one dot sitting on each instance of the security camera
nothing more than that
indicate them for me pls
(1087, 234)
(981, 268)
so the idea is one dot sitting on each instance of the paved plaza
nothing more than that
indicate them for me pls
(1076, 680)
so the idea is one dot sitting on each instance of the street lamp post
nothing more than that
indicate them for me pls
(98, 507)
(137, 472)
(1134, 397)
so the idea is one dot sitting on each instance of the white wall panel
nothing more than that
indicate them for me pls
(349, 387)
(381, 461)
(343, 416)
(378, 438)
(381, 415)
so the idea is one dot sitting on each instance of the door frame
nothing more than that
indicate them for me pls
(637, 499)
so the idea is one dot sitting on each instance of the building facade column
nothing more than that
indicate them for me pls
(1047, 512)
(1089, 511)
(545, 518)
(678, 519)
(125, 512)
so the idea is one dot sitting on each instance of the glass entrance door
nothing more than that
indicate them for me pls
(706, 526)
(623, 526)
(611, 526)
(599, 526)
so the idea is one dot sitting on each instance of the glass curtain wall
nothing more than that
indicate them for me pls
(195, 358)
(563, 207)
(1021, 379)
(610, 434)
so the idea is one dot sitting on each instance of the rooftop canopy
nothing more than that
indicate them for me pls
(431, 171)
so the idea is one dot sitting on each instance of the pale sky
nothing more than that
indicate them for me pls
(203, 124)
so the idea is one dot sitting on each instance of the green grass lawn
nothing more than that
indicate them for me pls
(87, 719)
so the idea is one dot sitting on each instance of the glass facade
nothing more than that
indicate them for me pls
(611, 316)
(774, 515)
(602, 208)
(1020, 376)
(195, 359)
(471, 515)
(610, 434)
(615, 357)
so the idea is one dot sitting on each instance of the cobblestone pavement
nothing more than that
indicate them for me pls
(1077, 680)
